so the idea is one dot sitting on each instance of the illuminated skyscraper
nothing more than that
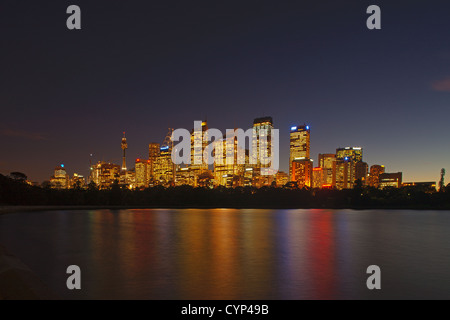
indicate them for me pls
(199, 141)
(164, 169)
(299, 145)
(317, 177)
(374, 175)
(302, 172)
(124, 146)
(261, 142)
(142, 168)
(327, 161)
(262, 147)
(153, 154)
(345, 173)
(60, 180)
(104, 174)
(346, 159)
(229, 172)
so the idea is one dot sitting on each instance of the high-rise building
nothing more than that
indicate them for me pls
(153, 154)
(362, 172)
(345, 173)
(262, 139)
(374, 175)
(60, 179)
(142, 168)
(317, 177)
(262, 148)
(346, 160)
(229, 164)
(302, 172)
(199, 141)
(327, 161)
(165, 169)
(104, 174)
(299, 147)
(390, 180)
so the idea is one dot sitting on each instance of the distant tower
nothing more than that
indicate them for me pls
(441, 182)
(299, 147)
(124, 148)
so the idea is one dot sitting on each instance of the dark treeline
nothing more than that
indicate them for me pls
(15, 191)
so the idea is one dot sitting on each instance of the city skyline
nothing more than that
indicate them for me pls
(142, 68)
(285, 159)
(339, 170)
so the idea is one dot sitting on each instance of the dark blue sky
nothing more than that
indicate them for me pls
(144, 66)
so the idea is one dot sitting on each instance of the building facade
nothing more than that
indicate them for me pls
(390, 180)
(299, 145)
(327, 161)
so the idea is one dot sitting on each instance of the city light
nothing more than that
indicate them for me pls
(335, 170)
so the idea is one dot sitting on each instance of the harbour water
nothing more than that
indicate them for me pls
(235, 253)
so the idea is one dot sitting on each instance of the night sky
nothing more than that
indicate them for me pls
(144, 66)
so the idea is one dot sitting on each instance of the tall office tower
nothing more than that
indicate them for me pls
(261, 142)
(362, 172)
(229, 164)
(153, 154)
(142, 168)
(60, 179)
(124, 146)
(346, 159)
(390, 180)
(374, 175)
(104, 174)
(261, 155)
(299, 147)
(345, 173)
(199, 141)
(165, 169)
(327, 161)
(302, 172)
(317, 177)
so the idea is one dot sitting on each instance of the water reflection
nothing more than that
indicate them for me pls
(234, 254)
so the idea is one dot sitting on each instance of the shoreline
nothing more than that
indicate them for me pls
(23, 209)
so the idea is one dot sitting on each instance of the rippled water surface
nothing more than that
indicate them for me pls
(235, 254)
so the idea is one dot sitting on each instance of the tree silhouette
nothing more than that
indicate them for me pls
(18, 176)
